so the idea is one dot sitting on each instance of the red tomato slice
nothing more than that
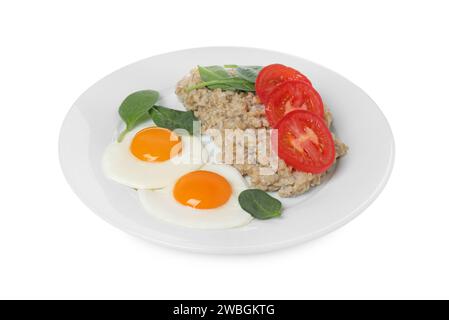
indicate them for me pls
(292, 95)
(270, 76)
(305, 142)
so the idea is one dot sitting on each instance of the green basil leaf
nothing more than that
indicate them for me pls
(213, 73)
(260, 204)
(172, 119)
(214, 77)
(226, 84)
(233, 84)
(136, 106)
(248, 73)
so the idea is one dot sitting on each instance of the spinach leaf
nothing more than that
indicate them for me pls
(134, 107)
(248, 73)
(226, 84)
(172, 119)
(213, 73)
(260, 204)
(214, 77)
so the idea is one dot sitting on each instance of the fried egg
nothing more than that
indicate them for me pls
(206, 199)
(152, 157)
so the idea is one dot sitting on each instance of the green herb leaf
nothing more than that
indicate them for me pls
(260, 204)
(172, 119)
(217, 77)
(136, 106)
(213, 73)
(248, 73)
(226, 84)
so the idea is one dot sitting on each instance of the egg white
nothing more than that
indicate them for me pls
(120, 165)
(162, 204)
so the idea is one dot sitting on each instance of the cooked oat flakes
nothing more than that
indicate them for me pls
(218, 109)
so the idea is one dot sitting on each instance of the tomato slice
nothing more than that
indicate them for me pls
(305, 142)
(292, 95)
(270, 76)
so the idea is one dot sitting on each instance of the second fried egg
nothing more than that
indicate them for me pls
(206, 199)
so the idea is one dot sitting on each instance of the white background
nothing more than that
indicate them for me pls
(52, 246)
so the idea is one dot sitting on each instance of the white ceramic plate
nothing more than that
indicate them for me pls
(356, 181)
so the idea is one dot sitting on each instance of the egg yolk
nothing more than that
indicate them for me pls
(202, 190)
(155, 144)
